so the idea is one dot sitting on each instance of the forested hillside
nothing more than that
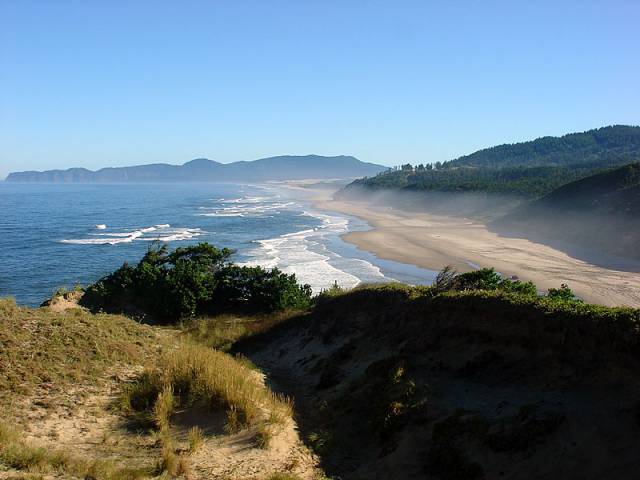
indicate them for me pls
(529, 169)
(522, 181)
(611, 145)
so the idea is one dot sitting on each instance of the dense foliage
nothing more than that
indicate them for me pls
(449, 281)
(529, 169)
(522, 181)
(614, 191)
(489, 279)
(607, 146)
(195, 280)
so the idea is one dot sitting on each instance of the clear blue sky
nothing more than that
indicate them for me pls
(115, 82)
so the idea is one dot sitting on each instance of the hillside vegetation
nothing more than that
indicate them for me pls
(528, 169)
(606, 146)
(45, 349)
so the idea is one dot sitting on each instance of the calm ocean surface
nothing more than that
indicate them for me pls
(60, 235)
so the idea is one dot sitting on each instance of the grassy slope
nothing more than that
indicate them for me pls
(391, 382)
(41, 349)
(56, 369)
(94, 395)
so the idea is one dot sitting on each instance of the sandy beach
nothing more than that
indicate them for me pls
(432, 242)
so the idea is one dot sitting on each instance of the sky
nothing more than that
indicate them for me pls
(115, 82)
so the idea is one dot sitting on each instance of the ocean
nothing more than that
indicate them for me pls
(62, 235)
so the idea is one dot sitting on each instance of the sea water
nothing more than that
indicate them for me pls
(62, 235)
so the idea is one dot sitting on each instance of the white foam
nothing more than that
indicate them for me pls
(114, 234)
(304, 253)
(101, 226)
(221, 214)
(164, 234)
(176, 235)
(291, 254)
(298, 234)
(245, 206)
(246, 199)
(104, 241)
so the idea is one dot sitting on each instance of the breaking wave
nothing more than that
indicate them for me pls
(161, 232)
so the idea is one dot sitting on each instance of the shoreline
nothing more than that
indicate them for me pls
(434, 241)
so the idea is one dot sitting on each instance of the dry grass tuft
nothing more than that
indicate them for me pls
(222, 331)
(163, 408)
(283, 476)
(193, 373)
(17, 454)
(264, 435)
(195, 436)
(234, 425)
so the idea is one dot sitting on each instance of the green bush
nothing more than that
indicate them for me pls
(564, 293)
(195, 280)
(489, 279)
(255, 289)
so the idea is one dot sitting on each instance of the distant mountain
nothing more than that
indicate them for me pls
(287, 167)
(601, 212)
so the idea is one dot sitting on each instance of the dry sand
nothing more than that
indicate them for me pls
(432, 242)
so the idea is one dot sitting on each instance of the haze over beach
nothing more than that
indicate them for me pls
(315, 240)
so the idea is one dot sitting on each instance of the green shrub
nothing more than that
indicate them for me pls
(564, 294)
(195, 280)
(332, 291)
(489, 279)
(255, 289)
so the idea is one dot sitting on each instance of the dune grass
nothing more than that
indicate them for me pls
(38, 347)
(283, 476)
(50, 358)
(46, 351)
(17, 454)
(195, 373)
(222, 331)
(192, 373)
(196, 439)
